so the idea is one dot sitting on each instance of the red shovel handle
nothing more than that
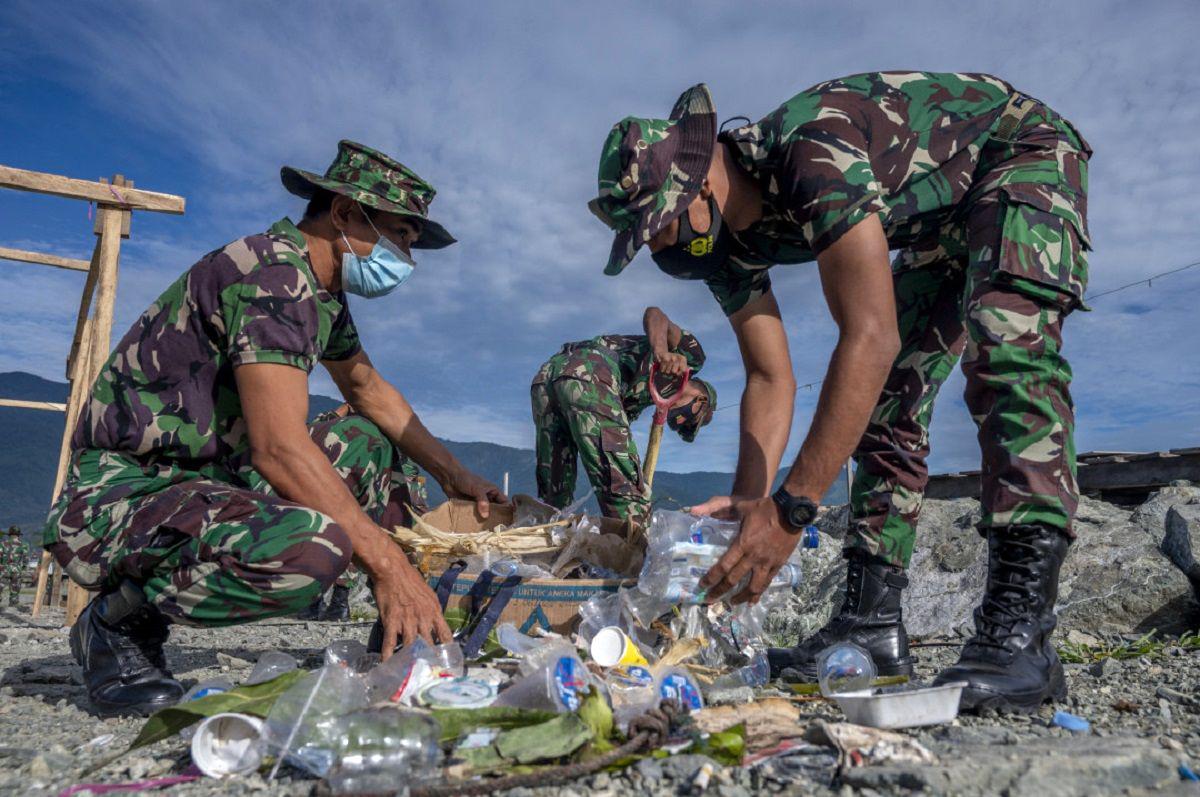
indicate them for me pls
(661, 405)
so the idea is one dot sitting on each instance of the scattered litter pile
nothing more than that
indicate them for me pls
(638, 670)
(498, 707)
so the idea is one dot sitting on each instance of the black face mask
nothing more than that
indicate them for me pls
(696, 256)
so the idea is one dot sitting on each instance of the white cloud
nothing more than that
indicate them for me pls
(504, 107)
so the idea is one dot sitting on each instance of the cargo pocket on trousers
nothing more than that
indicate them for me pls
(614, 444)
(1043, 249)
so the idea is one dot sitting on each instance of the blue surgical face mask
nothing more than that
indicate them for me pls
(379, 273)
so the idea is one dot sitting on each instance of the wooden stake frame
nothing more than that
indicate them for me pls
(116, 199)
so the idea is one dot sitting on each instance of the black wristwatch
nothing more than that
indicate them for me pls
(796, 510)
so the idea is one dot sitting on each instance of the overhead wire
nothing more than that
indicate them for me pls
(1148, 281)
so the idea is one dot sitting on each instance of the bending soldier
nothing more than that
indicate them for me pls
(585, 398)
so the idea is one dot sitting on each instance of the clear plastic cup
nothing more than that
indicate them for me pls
(675, 683)
(844, 667)
(558, 684)
(270, 666)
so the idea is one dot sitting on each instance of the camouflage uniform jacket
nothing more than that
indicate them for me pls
(906, 146)
(620, 362)
(14, 556)
(167, 394)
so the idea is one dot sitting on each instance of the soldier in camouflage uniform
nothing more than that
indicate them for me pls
(408, 490)
(197, 494)
(14, 562)
(983, 190)
(586, 396)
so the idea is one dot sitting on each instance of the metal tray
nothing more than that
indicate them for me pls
(902, 708)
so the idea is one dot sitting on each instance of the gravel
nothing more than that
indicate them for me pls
(1144, 714)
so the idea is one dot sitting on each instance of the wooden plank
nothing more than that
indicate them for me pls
(120, 182)
(98, 192)
(23, 256)
(39, 584)
(106, 288)
(85, 306)
(33, 405)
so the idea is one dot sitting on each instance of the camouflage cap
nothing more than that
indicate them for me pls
(687, 419)
(14, 531)
(373, 179)
(651, 170)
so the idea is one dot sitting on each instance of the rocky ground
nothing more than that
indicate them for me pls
(1144, 711)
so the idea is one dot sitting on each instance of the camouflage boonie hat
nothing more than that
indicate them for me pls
(651, 170)
(372, 178)
(687, 419)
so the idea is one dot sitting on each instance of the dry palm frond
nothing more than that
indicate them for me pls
(426, 539)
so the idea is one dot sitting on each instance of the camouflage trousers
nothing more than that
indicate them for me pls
(992, 288)
(214, 548)
(580, 419)
(13, 584)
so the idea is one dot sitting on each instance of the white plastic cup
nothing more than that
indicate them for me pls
(611, 647)
(226, 745)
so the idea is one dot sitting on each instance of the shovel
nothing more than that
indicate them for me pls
(662, 407)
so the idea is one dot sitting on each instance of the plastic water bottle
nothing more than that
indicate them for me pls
(380, 747)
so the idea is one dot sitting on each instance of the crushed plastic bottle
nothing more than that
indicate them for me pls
(682, 549)
(301, 726)
(755, 674)
(379, 748)
(844, 667)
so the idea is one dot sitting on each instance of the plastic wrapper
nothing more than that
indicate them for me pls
(302, 725)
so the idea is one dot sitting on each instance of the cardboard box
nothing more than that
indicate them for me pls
(549, 603)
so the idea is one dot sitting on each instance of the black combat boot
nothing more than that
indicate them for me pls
(1010, 663)
(870, 617)
(338, 610)
(118, 640)
(312, 611)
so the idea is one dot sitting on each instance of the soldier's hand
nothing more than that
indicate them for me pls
(467, 485)
(408, 608)
(671, 363)
(719, 506)
(760, 549)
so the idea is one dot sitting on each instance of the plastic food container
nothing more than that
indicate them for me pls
(902, 708)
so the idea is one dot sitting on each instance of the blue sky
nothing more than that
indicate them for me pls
(503, 107)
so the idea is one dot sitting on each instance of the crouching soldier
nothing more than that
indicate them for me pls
(197, 494)
(585, 397)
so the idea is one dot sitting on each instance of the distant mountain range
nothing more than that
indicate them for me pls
(29, 441)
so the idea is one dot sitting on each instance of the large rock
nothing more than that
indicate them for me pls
(1116, 577)
(1181, 541)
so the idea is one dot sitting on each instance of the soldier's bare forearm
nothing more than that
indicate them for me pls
(857, 371)
(375, 398)
(766, 422)
(856, 279)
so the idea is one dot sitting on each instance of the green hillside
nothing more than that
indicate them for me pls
(31, 440)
